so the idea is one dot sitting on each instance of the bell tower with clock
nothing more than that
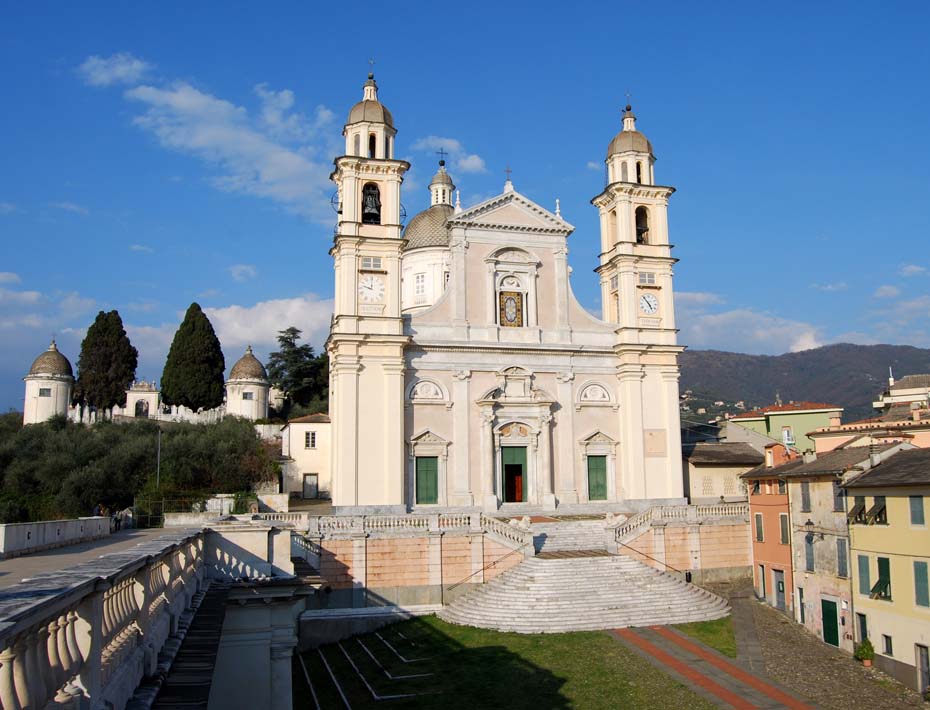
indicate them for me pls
(366, 343)
(636, 269)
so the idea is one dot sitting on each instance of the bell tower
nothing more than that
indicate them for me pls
(636, 295)
(366, 342)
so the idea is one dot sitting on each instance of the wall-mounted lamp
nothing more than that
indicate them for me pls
(809, 527)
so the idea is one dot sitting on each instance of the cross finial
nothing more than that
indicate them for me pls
(508, 171)
(371, 63)
(442, 156)
(629, 97)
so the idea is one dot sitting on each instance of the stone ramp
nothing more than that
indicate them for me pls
(582, 593)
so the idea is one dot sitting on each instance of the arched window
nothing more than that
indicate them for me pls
(358, 145)
(387, 147)
(624, 173)
(372, 145)
(639, 172)
(371, 204)
(642, 225)
(612, 226)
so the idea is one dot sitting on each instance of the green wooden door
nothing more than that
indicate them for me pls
(427, 479)
(597, 478)
(831, 629)
(513, 466)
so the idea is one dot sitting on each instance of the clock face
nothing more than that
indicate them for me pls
(371, 289)
(648, 303)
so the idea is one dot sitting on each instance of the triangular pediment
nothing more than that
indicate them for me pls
(512, 211)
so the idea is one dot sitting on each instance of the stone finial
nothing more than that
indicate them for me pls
(558, 208)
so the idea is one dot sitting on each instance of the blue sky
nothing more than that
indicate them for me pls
(172, 152)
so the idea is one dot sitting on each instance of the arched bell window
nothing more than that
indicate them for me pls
(639, 172)
(624, 173)
(372, 145)
(642, 225)
(358, 145)
(371, 204)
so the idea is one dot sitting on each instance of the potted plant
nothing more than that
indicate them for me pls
(865, 652)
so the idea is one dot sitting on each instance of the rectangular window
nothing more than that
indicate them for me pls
(803, 616)
(842, 559)
(45, 391)
(857, 513)
(917, 510)
(838, 503)
(783, 522)
(865, 583)
(782, 487)
(760, 537)
(647, 278)
(511, 309)
(863, 625)
(419, 284)
(756, 487)
(787, 436)
(762, 590)
(887, 648)
(878, 513)
(921, 591)
(882, 588)
(371, 262)
(247, 396)
(809, 553)
(310, 440)
(805, 497)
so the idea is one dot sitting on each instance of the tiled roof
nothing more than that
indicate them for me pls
(790, 407)
(911, 382)
(905, 468)
(310, 419)
(832, 462)
(734, 453)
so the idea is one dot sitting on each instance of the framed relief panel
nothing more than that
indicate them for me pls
(511, 309)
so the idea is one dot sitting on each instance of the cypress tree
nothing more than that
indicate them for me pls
(193, 375)
(107, 363)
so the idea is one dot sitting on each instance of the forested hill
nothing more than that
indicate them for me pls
(848, 375)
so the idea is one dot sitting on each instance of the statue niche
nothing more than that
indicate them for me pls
(371, 204)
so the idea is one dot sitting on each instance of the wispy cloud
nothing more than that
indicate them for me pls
(258, 325)
(7, 208)
(121, 68)
(242, 272)
(460, 159)
(594, 166)
(141, 248)
(912, 270)
(71, 207)
(8, 277)
(887, 292)
(143, 306)
(831, 287)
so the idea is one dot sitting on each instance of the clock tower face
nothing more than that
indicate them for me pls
(371, 289)
(648, 304)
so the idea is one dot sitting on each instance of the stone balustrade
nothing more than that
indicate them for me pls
(623, 530)
(85, 636)
(23, 538)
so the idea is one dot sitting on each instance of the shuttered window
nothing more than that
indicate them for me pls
(783, 522)
(917, 510)
(809, 553)
(865, 584)
(921, 591)
(838, 502)
(760, 537)
(882, 588)
(842, 562)
(805, 496)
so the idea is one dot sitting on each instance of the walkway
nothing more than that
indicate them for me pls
(14, 570)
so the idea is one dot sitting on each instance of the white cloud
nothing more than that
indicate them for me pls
(697, 298)
(280, 122)
(831, 287)
(912, 270)
(122, 68)
(142, 248)
(8, 277)
(591, 165)
(18, 298)
(242, 272)
(258, 325)
(461, 159)
(887, 292)
(71, 207)
(7, 208)
(251, 153)
(143, 306)
(746, 330)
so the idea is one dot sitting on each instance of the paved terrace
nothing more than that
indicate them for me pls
(14, 570)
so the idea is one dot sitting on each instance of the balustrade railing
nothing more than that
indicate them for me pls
(87, 635)
(691, 513)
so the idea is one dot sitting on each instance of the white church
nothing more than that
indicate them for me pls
(465, 374)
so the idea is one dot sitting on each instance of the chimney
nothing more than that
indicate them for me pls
(835, 419)
(809, 456)
(890, 377)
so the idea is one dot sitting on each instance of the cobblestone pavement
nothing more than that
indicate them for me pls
(813, 669)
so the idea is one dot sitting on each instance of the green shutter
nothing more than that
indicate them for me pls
(917, 510)
(921, 591)
(597, 478)
(783, 520)
(842, 565)
(759, 532)
(427, 479)
(865, 584)
(514, 454)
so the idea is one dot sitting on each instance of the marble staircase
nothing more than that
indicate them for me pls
(575, 535)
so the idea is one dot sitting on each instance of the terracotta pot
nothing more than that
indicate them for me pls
(867, 662)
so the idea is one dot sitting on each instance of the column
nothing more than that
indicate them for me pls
(461, 441)
(345, 427)
(561, 292)
(489, 498)
(632, 463)
(281, 681)
(674, 479)
(394, 432)
(548, 498)
(566, 490)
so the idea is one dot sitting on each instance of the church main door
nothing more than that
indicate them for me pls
(513, 464)
(597, 478)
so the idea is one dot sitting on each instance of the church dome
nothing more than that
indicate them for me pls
(370, 109)
(248, 367)
(442, 177)
(629, 138)
(51, 362)
(428, 228)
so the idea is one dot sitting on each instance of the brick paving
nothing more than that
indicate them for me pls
(802, 663)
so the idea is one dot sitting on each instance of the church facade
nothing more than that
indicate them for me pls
(464, 373)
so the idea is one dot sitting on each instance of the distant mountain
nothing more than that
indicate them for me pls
(848, 375)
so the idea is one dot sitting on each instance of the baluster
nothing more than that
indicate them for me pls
(55, 678)
(21, 675)
(8, 695)
(36, 665)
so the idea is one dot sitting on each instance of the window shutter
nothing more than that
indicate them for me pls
(809, 553)
(783, 519)
(865, 584)
(842, 563)
(759, 532)
(805, 497)
(917, 510)
(921, 591)
(837, 498)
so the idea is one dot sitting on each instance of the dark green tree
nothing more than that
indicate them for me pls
(107, 363)
(297, 371)
(193, 375)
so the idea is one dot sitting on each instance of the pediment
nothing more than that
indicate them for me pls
(512, 211)
(598, 437)
(428, 437)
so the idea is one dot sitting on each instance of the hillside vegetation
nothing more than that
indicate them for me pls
(848, 375)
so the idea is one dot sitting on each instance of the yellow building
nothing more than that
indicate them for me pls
(888, 510)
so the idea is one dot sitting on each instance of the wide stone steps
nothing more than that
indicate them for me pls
(578, 535)
(587, 593)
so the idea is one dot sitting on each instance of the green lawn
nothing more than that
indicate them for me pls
(475, 668)
(717, 634)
